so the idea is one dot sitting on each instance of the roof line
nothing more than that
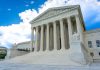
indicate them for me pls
(52, 9)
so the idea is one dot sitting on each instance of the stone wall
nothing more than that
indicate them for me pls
(19, 49)
(92, 36)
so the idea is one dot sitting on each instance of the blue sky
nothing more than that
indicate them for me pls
(9, 10)
(15, 16)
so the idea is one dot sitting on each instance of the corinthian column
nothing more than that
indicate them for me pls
(41, 43)
(36, 46)
(62, 35)
(69, 28)
(55, 36)
(32, 38)
(47, 38)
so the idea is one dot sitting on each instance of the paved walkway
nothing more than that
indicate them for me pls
(13, 66)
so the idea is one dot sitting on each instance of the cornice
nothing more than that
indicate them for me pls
(64, 9)
(23, 43)
(92, 31)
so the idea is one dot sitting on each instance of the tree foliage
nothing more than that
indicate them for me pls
(2, 55)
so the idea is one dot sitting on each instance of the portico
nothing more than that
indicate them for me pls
(55, 35)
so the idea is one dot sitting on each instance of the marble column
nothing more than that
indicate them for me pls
(36, 46)
(51, 46)
(32, 38)
(41, 43)
(55, 35)
(62, 35)
(69, 28)
(47, 38)
(79, 27)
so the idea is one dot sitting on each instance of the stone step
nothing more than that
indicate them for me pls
(96, 60)
(18, 66)
(49, 58)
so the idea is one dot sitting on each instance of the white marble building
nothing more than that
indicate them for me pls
(59, 38)
(19, 49)
(60, 29)
(24, 45)
(92, 43)
(56, 27)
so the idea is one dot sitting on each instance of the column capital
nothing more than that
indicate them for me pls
(32, 28)
(37, 27)
(61, 20)
(77, 15)
(68, 17)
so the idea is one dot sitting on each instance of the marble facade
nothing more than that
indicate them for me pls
(60, 29)
(57, 38)
(54, 29)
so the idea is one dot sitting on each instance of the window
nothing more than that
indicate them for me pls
(98, 43)
(99, 53)
(90, 44)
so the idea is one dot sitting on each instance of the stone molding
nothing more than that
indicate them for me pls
(51, 12)
(92, 31)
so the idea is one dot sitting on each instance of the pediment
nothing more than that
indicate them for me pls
(53, 11)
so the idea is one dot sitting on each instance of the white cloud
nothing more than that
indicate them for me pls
(9, 9)
(98, 2)
(26, 5)
(19, 32)
(89, 7)
(97, 19)
(16, 33)
(31, 2)
(28, 15)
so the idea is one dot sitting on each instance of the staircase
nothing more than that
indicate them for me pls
(61, 57)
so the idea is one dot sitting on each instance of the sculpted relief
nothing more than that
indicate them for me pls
(50, 13)
(75, 37)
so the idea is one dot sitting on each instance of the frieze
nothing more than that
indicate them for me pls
(50, 13)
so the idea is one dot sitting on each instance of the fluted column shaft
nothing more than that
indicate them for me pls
(69, 28)
(32, 39)
(47, 38)
(62, 35)
(41, 43)
(55, 36)
(36, 46)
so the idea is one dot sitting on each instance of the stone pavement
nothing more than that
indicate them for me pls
(17, 66)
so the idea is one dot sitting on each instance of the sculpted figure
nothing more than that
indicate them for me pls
(75, 36)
